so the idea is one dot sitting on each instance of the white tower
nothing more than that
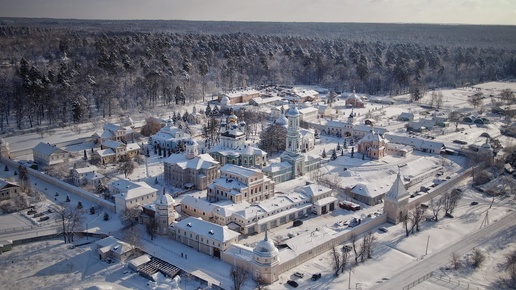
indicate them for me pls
(165, 213)
(396, 201)
(293, 129)
(192, 149)
(266, 261)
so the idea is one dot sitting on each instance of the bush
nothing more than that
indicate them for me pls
(478, 258)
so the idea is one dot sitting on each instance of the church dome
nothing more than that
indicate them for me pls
(166, 199)
(224, 101)
(266, 248)
(282, 120)
(191, 142)
(293, 111)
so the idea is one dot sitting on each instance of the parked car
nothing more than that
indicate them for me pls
(474, 203)
(316, 277)
(299, 274)
(292, 283)
(297, 223)
(383, 230)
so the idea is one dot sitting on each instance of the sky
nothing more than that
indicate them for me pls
(376, 11)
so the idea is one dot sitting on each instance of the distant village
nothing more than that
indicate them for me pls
(207, 181)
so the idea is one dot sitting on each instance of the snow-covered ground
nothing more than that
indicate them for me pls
(53, 265)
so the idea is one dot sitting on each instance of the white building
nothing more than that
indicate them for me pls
(205, 237)
(47, 155)
(169, 136)
(129, 194)
(237, 183)
(190, 170)
(87, 175)
(296, 142)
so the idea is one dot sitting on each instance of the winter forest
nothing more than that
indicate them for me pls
(57, 72)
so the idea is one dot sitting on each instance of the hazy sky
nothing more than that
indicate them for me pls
(402, 11)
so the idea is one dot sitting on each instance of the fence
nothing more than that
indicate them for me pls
(421, 279)
(64, 186)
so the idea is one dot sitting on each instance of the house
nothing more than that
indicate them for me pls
(114, 132)
(237, 183)
(406, 117)
(191, 170)
(321, 197)
(168, 137)
(416, 143)
(112, 151)
(354, 101)
(112, 248)
(367, 194)
(46, 154)
(241, 96)
(261, 101)
(128, 194)
(205, 237)
(87, 176)
(308, 114)
(248, 156)
(8, 189)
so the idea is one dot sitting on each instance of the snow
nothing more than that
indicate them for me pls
(51, 264)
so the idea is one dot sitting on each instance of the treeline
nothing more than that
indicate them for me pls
(57, 74)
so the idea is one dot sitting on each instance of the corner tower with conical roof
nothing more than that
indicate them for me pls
(266, 261)
(165, 212)
(396, 201)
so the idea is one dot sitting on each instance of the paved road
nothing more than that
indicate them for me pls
(413, 271)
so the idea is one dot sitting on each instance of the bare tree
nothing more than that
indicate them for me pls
(277, 239)
(450, 200)
(418, 215)
(355, 248)
(126, 167)
(129, 216)
(71, 219)
(477, 258)
(369, 241)
(436, 205)
(344, 261)
(476, 100)
(455, 260)
(132, 236)
(455, 117)
(238, 275)
(407, 223)
(337, 261)
(439, 99)
(152, 227)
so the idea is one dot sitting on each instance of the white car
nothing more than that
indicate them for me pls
(299, 274)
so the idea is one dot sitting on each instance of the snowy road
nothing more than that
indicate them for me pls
(415, 270)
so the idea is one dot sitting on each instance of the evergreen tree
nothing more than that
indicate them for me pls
(323, 155)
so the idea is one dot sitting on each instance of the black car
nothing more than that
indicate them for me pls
(316, 277)
(297, 223)
(292, 283)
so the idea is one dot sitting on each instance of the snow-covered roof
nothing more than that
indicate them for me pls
(207, 229)
(397, 190)
(112, 144)
(47, 149)
(238, 170)
(105, 152)
(143, 259)
(112, 127)
(132, 147)
(326, 200)
(131, 190)
(91, 168)
(198, 203)
(365, 190)
(313, 190)
(275, 167)
(308, 110)
(201, 161)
